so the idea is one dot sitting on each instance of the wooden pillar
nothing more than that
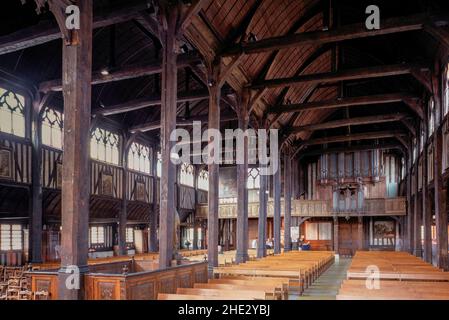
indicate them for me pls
(335, 238)
(35, 238)
(242, 190)
(195, 233)
(152, 246)
(213, 167)
(426, 202)
(360, 233)
(287, 202)
(195, 185)
(301, 191)
(440, 192)
(417, 247)
(76, 75)
(262, 226)
(124, 210)
(168, 125)
(277, 208)
(409, 224)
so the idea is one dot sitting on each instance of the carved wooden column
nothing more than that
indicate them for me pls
(440, 192)
(35, 239)
(287, 202)
(152, 245)
(168, 125)
(277, 208)
(242, 190)
(76, 86)
(213, 167)
(262, 221)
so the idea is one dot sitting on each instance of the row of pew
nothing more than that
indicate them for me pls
(381, 275)
(271, 278)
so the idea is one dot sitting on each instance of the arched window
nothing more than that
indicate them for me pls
(253, 179)
(431, 125)
(446, 91)
(52, 128)
(415, 151)
(139, 158)
(421, 140)
(186, 175)
(159, 165)
(104, 146)
(12, 113)
(203, 180)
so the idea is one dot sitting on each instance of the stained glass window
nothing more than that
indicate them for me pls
(104, 146)
(253, 181)
(139, 158)
(129, 235)
(52, 128)
(97, 235)
(159, 165)
(11, 237)
(446, 91)
(12, 113)
(186, 175)
(431, 116)
(203, 180)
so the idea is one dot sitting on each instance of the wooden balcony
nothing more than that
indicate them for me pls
(314, 208)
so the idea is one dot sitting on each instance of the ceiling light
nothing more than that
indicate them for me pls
(105, 72)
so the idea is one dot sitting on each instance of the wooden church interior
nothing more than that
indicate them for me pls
(86, 178)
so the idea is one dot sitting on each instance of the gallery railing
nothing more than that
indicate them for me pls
(313, 208)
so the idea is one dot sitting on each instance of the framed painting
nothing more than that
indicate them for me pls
(140, 192)
(107, 184)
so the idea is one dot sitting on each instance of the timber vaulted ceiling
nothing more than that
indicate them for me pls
(314, 71)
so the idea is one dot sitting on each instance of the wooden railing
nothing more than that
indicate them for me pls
(314, 208)
(107, 282)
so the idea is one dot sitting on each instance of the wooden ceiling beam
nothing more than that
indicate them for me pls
(189, 13)
(350, 122)
(342, 75)
(439, 34)
(142, 103)
(355, 137)
(348, 32)
(128, 72)
(317, 8)
(46, 32)
(411, 101)
(156, 125)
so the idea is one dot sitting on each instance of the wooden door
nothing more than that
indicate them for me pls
(347, 236)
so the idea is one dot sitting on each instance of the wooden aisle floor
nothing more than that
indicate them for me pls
(327, 285)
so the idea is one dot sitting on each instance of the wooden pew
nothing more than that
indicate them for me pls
(303, 267)
(171, 296)
(226, 294)
(394, 266)
(270, 290)
(394, 290)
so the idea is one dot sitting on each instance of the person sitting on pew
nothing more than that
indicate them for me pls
(303, 245)
(269, 244)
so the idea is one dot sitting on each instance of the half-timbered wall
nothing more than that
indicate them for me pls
(15, 160)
